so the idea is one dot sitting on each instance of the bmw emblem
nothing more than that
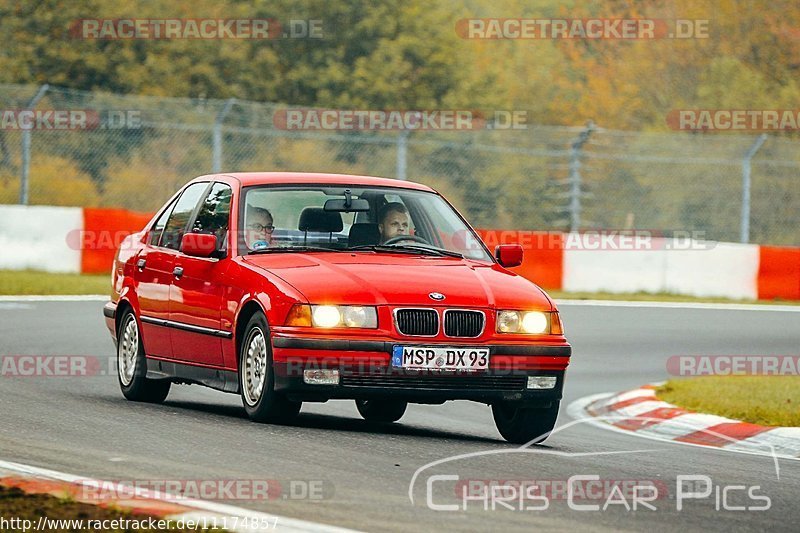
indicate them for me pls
(438, 296)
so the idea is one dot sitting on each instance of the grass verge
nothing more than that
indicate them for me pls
(23, 282)
(13, 282)
(660, 297)
(16, 504)
(764, 400)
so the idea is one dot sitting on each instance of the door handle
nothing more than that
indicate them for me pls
(177, 272)
(140, 264)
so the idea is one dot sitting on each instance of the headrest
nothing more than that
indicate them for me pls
(364, 234)
(317, 219)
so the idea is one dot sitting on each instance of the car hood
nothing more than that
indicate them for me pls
(380, 279)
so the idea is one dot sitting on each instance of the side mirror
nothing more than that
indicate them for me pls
(199, 245)
(509, 255)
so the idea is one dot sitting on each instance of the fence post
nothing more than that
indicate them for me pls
(402, 154)
(744, 225)
(575, 177)
(26, 149)
(216, 137)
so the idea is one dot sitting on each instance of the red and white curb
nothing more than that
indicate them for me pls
(162, 505)
(639, 412)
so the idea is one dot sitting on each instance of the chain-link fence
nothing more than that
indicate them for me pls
(134, 151)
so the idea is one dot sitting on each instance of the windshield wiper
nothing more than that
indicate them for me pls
(408, 250)
(284, 249)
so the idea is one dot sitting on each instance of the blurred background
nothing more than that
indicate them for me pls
(596, 150)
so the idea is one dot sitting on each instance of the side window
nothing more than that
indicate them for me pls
(179, 218)
(158, 227)
(214, 212)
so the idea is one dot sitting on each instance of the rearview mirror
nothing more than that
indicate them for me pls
(357, 205)
(199, 245)
(509, 255)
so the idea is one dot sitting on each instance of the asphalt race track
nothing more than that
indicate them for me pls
(83, 426)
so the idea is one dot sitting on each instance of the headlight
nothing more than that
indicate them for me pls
(528, 322)
(333, 316)
(325, 316)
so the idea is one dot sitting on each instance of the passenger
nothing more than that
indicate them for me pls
(393, 221)
(258, 233)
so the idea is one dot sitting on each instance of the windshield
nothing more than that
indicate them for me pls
(377, 220)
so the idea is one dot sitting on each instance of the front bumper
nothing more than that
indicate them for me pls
(365, 372)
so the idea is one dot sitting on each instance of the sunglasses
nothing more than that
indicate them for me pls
(260, 227)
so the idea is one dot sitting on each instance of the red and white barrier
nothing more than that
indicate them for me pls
(35, 238)
(724, 270)
(84, 240)
(585, 263)
(63, 239)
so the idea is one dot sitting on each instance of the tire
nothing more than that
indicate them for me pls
(132, 365)
(381, 410)
(257, 378)
(521, 425)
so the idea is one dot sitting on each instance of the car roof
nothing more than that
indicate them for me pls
(300, 178)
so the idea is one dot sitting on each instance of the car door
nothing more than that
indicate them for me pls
(153, 271)
(198, 286)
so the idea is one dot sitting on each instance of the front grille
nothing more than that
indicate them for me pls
(459, 323)
(451, 382)
(417, 322)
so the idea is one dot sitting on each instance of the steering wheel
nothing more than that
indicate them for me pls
(401, 238)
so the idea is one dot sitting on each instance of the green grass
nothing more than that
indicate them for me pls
(764, 400)
(659, 297)
(32, 282)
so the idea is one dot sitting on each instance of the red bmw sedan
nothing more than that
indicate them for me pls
(287, 288)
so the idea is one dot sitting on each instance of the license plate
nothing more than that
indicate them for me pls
(440, 357)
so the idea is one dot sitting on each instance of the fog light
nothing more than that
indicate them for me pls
(542, 382)
(321, 377)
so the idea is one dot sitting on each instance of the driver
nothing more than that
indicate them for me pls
(393, 219)
(258, 233)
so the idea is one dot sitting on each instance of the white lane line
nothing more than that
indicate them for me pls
(56, 298)
(680, 305)
(245, 516)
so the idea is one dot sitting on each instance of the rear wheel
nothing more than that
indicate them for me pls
(521, 425)
(132, 365)
(381, 410)
(257, 378)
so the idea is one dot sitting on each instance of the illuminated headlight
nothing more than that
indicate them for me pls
(343, 316)
(528, 322)
(535, 322)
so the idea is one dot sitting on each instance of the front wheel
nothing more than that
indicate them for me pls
(132, 365)
(381, 410)
(257, 378)
(521, 425)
